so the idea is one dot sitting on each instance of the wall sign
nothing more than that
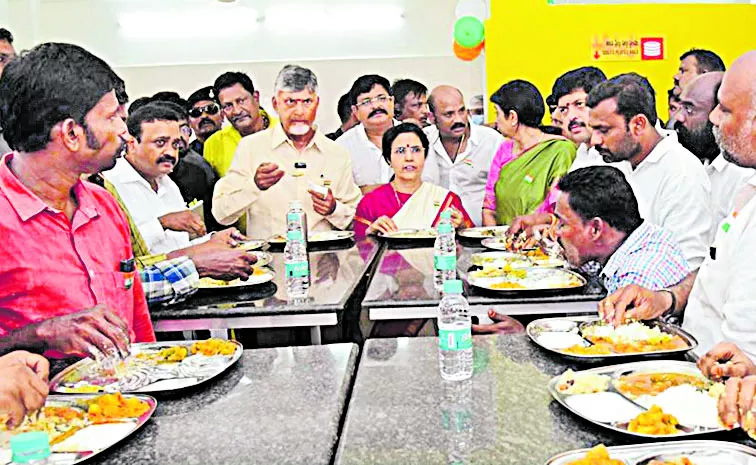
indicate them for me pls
(627, 48)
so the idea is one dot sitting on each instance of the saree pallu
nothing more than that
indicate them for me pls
(525, 182)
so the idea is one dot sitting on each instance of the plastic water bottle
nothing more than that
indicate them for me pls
(296, 265)
(31, 448)
(455, 333)
(457, 420)
(296, 219)
(444, 252)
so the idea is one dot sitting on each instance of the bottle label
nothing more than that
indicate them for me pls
(455, 339)
(291, 217)
(297, 270)
(444, 228)
(445, 262)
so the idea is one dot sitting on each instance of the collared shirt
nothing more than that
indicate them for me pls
(589, 156)
(726, 179)
(220, 148)
(327, 164)
(672, 186)
(468, 173)
(52, 267)
(721, 305)
(146, 206)
(198, 146)
(649, 258)
(368, 165)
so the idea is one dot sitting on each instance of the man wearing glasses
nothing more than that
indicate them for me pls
(205, 116)
(290, 161)
(374, 106)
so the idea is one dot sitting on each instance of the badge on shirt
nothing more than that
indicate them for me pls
(529, 179)
(128, 268)
(468, 162)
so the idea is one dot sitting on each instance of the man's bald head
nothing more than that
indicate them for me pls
(735, 116)
(448, 112)
(444, 93)
(703, 89)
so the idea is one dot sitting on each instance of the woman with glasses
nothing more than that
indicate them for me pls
(406, 202)
(530, 162)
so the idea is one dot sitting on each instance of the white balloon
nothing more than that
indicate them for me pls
(476, 8)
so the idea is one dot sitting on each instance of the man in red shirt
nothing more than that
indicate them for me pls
(67, 281)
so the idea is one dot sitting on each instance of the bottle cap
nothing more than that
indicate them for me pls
(453, 286)
(27, 447)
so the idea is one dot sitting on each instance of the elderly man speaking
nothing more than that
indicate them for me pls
(282, 163)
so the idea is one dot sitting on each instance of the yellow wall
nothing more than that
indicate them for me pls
(535, 41)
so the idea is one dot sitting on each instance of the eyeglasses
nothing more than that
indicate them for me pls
(413, 149)
(379, 99)
(186, 130)
(211, 109)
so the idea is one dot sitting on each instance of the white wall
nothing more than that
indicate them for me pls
(417, 46)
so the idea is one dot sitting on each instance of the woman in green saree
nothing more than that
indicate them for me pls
(529, 163)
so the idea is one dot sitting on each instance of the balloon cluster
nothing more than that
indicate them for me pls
(469, 31)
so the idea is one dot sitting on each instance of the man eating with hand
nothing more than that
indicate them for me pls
(290, 161)
(69, 286)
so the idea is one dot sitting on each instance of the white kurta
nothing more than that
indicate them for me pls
(672, 187)
(146, 206)
(722, 304)
(368, 165)
(467, 175)
(726, 180)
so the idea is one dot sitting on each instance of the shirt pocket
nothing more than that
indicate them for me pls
(118, 298)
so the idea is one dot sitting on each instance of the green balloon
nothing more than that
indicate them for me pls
(469, 31)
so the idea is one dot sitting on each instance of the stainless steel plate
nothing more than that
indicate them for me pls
(192, 371)
(410, 235)
(568, 324)
(483, 232)
(536, 279)
(101, 442)
(614, 372)
(699, 452)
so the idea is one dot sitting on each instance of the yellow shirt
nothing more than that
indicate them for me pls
(220, 147)
(327, 163)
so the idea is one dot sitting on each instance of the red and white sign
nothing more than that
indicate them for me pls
(627, 48)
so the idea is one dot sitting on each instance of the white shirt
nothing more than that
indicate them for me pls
(466, 176)
(146, 206)
(672, 187)
(368, 164)
(722, 304)
(726, 179)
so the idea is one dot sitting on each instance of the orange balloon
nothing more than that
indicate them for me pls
(468, 54)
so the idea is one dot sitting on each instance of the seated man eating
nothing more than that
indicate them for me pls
(68, 273)
(406, 202)
(599, 221)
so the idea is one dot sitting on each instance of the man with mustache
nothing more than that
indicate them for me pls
(141, 180)
(290, 161)
(411, 101)
(373, 104)
(696, 133)
(460, 152)
(205, 116)
(670, 183)
(718, 301)
(68, 283)
(240, 103)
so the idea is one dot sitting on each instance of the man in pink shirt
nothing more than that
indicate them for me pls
(68, 277)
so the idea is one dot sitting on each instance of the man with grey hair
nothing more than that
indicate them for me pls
(290, 161)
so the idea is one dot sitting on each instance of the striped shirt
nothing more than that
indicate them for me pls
(649, 257)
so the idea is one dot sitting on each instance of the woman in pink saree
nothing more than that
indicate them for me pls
(406, 202)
